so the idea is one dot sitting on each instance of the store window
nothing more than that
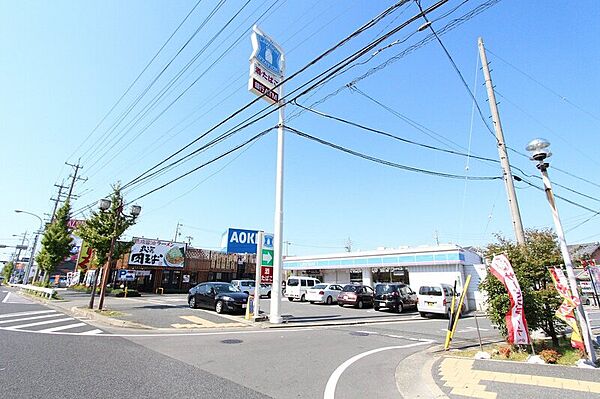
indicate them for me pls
(356, 276)
(166, 277)
(176, 277)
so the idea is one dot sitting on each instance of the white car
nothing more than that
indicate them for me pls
(326, 293)
(265, 290)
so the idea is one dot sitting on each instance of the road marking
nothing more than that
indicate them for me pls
(45, 316)
(39, 323)
(465, 381)
(92, 332)
(198, 320)
(335, 376)
(3, 316)
(6, 297)
(60, 328)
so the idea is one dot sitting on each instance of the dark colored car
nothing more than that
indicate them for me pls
(394, 296)
(357, 295)
(222, 297)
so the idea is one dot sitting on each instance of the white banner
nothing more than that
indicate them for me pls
(515, 318)
(146, 252)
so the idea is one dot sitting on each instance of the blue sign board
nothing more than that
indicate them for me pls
(126, 275)
(267, 52)
(240, 241)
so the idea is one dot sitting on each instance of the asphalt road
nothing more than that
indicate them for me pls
(309, 362)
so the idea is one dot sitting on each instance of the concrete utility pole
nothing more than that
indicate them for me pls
(57, 199)
(177, 233)
(508, 178)
(74, 178)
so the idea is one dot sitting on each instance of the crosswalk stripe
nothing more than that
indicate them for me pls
(60, 328)
(3, 316)
(92, 332)
(39, 323)
(45, 316)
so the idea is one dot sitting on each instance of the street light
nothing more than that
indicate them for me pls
(539, 150)
(35, 240)
(104, 204)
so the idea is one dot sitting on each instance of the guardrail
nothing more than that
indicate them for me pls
(46, 292)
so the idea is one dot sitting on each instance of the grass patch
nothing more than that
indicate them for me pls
(110, 313)
(567, 355)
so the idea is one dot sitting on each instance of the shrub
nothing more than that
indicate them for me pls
(121, 293)
(550, 356)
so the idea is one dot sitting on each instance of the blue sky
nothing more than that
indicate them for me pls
(64, 64)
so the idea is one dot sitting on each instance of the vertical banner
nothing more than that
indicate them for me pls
(566, 311)
(515, 318)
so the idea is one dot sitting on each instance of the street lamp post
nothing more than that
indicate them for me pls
(35, 240)
(134, 213)
(538, 148)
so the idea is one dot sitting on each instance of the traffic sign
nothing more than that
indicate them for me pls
(267, 257)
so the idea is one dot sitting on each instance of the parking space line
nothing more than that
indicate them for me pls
(198, 320)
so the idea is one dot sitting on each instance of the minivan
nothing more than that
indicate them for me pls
(296, 287)
(436, 298)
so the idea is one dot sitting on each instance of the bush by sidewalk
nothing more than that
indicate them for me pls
(564, 354)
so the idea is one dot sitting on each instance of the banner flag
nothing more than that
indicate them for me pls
(515, 318)
(566, 311)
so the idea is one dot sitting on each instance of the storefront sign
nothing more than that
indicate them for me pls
(266, 67)
(239, 241)
(146, 252)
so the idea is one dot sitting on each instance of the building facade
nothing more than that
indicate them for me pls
(414, 266)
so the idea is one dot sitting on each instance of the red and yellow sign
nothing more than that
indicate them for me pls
(566, 311)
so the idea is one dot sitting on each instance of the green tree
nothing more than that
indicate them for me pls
(56, 242)
(530, 263)
(101, 226)
(7, 270)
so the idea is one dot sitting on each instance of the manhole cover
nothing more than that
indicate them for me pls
(359, 334)
(232, 341)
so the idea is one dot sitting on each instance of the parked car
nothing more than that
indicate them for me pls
(394, 296)
(297, 286)
(326, 293)
(246, 286)
(357, 295)
(437, 299)
(222, 297)
(265, 290)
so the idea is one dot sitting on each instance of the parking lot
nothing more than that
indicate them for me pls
(172, 311)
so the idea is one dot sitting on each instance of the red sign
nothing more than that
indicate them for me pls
(260, 88)
(266, 275)
(74, 223)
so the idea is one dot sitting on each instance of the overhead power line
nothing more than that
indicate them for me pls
(271, 109)
(388, 163)
(135, 80)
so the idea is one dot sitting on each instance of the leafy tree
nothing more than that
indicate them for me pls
(530, 262)
(7, 270)
(99, 229)
(56, 242)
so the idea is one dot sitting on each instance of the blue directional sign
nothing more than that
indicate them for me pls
(268, 241)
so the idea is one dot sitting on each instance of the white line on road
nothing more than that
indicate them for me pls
(45, 316)
(3, 316)
(92, 332)
(6, 297)
(39, 323)
(333, 379)
(60, 328)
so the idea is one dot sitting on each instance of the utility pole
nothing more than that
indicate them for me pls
(18, 250)
(74, 177)
(287, 247)
(177, 233)
(57, 199)
(507, 174)
(437, 238)
(189, 239)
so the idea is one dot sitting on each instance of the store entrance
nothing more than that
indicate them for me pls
(392, 275)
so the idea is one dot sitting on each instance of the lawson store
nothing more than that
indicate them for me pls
(415, 266)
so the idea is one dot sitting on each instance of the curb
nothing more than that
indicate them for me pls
(418, 385)
(333, 324)
(108, 320)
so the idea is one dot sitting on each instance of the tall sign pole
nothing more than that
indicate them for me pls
(508, 178)
(267, 65)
